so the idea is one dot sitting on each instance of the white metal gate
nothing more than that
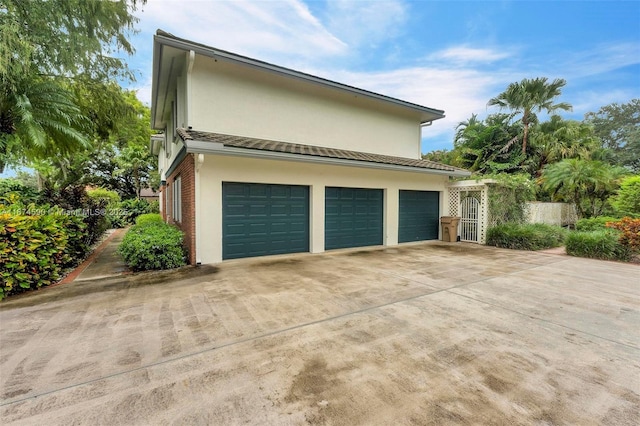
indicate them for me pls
(470, 209)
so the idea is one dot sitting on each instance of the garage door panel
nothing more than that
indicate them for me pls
(263, 219)
(353, 217)
(419, 215)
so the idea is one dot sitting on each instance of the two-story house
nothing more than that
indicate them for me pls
(259, 159)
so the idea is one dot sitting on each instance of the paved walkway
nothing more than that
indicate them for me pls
(103, 262)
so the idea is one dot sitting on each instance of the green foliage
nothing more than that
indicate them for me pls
(153, 245)
(508, 198)
(66, 37)
(618, 126)
(529, 96)
(101, 194)
(35, 249)
(17, 191)
(133, 208)
(627, 201)
(586, 183)
(518, 236)
(146, 218)
(484, 146)
(594, 223)
(599, 244)
(39, 119)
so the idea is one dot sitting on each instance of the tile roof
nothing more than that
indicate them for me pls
(310, 150)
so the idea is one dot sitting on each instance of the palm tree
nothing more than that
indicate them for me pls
(39, 117)
(587, 183)
(528, 97)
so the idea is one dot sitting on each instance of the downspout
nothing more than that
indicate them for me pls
(198, 160)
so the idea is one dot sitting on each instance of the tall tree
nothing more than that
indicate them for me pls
(66, 37)
(618, 125)
(39, 118)
(557, 139)
(46, 48)
(528, 97)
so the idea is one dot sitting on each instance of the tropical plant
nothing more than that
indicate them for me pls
(480, 145)
(528, 97)
(600, 244)
(557, 139)
(528, 236)
(587, 183)
(627, 200)
(39, 119)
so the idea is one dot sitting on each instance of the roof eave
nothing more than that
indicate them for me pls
(207, 147)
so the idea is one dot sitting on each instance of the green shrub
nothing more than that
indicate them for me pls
(599, 244)
(35, 249)
(111, 202)
(627, 201)
(153, 245)
(12, 190)
(111, 197)
(535, 236)
(594, 223)
(146, 218)
(134, 207)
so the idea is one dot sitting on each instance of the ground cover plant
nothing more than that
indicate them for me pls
(528, 236)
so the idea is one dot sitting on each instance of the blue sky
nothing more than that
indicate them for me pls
(451, 55)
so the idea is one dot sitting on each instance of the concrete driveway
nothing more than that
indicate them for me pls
(431, 333)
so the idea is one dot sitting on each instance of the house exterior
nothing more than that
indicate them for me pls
(258, 159)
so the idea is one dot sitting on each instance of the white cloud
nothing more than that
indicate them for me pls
(464, 54)
(365, 23)
(272, 30)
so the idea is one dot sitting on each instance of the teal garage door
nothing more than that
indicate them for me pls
(260, 219)
(419, 216)
(353, 217)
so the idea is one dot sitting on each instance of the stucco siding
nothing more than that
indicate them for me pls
(217, 169)
(232, 99)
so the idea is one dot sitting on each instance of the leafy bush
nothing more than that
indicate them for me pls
(594, 223)
(600, 244)
(629, 232)
(146, 218)
(74, 200)
(35, 249)
(111, 201)
(153, 245)
(133, 208)
(12, 189)
(517, 236)
(627, 201)
(111, 197)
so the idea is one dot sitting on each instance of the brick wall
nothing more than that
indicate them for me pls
(186, 171)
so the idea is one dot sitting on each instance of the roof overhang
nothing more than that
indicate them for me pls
(169, 56)
(216, 148)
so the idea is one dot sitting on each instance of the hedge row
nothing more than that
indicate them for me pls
(152, 244)
(34, 250)
(601, 244)
(517, 236)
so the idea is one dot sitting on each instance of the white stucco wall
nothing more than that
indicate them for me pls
(232, 99)
(217, 169)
